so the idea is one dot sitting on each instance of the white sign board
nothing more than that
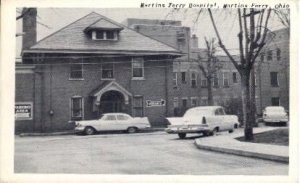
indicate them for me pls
(155, 103)
(23, 111)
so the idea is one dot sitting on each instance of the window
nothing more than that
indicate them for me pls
(262, 57)
(278, 54)
(270, 55)
(215, 80)
(175, 81)
(193, 101)
(122, 117)
(137, 68)
(275, 101)
(203, 82)
(234, 77)
(219, 111)
(105, 35)
(138, 106)
(193, 80)
(184, 103)
(175, 102)
(76, 71)
(274, 79)
(110, 118)
(225, 79)
(183, 77)
(204, 101)
(107, 71)
(77, 108)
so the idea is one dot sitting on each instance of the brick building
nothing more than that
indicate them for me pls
(92, 66)
(189, 84)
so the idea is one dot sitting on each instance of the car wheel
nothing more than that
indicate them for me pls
(132, 130)
(206, 133)
(236, 126)
(182, 135)
(230, 131)
(89, 130)
(214, 132)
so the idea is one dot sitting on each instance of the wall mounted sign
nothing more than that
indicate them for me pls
(155, 103)
(23, 110)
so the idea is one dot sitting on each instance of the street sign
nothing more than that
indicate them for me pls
(155, 103)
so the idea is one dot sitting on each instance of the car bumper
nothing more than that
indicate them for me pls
(79, 129)
(271, 120)
(175, 130)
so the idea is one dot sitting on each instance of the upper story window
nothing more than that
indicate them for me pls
(183, 77)
(107, 71)
(193, 80)
(76, 71)
(105, 35)
(262, 57)
(269, 55)
(215, 80)
(274, 79)
(278, 54)
(225, 79)
(137, 68)
(234, 77)
(175, 80)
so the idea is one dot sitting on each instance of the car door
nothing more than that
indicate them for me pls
(219, 113)
(108, 123)
(123, 121)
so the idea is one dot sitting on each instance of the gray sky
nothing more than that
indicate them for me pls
(56, 18)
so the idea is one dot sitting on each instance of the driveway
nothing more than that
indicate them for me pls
(142, 153)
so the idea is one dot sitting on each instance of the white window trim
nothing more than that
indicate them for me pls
(82, 103)
(113, 68)
(143, 69)
(176, 79)
(94, 35)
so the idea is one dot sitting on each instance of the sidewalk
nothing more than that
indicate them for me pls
(226, 143)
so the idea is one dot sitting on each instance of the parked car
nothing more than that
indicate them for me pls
(205, 119)
(275, 115)
(112, 122)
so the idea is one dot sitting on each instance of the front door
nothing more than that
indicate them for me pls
(111, 101)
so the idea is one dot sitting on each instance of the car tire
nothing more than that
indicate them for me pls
(89, 130)
(182, 135)
(206, 133)
(132, 130)
(214, 132)
(230, 131)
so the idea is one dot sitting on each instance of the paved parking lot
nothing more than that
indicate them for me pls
(142, 153)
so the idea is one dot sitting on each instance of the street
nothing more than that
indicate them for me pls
(141, 153)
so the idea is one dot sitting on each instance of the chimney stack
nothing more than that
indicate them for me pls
(194, 41)
(29, 27)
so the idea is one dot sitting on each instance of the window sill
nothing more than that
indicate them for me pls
(138, 79)
(76, 79)
(108, 79)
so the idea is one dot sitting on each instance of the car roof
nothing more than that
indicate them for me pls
(206, 107)
(274, 107)
(115, 113)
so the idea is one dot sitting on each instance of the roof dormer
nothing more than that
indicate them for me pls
(103, 30)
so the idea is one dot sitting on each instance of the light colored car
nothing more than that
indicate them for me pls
(112, 122)
(204, 119)
(275, 114)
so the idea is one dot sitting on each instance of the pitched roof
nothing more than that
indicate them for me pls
(72, 38)
(104, 24)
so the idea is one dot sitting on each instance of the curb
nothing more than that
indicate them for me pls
(73, 133)
(277, 158)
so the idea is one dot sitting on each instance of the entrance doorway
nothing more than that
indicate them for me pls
(111, 101)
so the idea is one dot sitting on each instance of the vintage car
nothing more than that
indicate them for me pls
(275, 114)
(205, 119)
(112, 122)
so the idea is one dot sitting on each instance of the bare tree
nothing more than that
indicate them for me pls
(283, 16)
(210, 68)
(252, 38)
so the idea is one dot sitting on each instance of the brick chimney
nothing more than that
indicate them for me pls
(194, 41)
(29, 27)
